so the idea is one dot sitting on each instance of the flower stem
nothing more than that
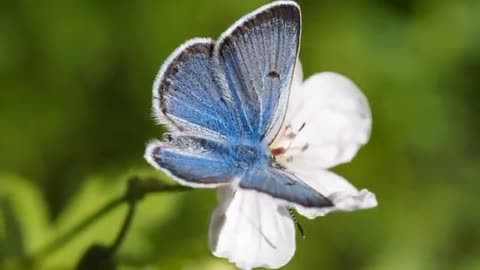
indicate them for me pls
(137, 189)
(123, 231)
(77, 229)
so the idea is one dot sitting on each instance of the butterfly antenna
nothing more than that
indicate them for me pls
(299, 227)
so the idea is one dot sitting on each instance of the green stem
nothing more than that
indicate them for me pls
(137, 190)
(77, 229)
(123, 231)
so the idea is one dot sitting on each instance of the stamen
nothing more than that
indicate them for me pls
(293, 135)
(290, 135)
(299, 227)
(302, 126)
(305, 147)
(288, 132)
(278, 151)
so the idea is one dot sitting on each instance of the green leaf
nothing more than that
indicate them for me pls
(24, 213)
(11, 237)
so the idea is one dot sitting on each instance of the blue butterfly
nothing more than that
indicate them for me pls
(224, 102)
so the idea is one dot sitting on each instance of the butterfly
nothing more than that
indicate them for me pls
(224, 102)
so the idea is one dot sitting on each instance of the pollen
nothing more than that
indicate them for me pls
(278, 151)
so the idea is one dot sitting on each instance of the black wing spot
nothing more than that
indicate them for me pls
(273, 74)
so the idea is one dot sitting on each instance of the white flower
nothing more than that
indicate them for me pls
(327, 120)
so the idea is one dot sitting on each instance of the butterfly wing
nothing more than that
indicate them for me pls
(285, 186)
(186, 96)
(192, 160)
(188, 100)
(257, 56)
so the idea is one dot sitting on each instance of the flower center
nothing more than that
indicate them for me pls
(283, 144)
(278, 151)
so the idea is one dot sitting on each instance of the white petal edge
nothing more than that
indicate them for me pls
(251, 230)
(336, 121)
(344, 196)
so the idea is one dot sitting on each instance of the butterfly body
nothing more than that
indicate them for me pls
(250, 154)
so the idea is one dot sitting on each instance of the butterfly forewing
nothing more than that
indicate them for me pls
(186, 96)
(257, 56)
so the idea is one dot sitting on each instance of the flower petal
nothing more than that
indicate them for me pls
(251, 230)
(295, 100)
(331, 119)
(344, 196)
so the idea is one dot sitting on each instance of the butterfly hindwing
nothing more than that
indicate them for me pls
(194, 161)
(257, 56)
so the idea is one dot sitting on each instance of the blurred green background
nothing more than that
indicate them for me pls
(75, 94)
